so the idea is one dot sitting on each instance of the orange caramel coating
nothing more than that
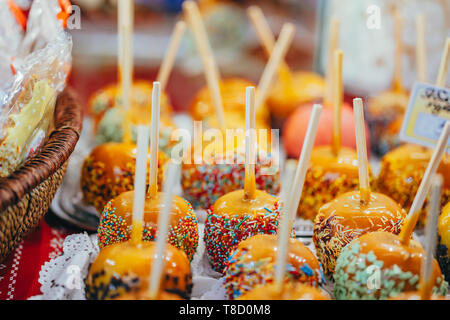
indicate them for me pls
(345, 162)
(347, 217)
(235, 203)
(287, 94)
(392, 101)
(141, 93)
(109, 170)
(233, 98)
(253, 264)
(415, 295)
(125, 267)
(265, 246)
(289, 291)
(359, 216)
(387, 247)
(385, 114)
(145, 295)
(328, 176)
(402, 170)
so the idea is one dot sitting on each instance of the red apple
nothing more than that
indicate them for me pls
(294, 129)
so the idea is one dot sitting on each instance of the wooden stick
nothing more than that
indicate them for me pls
(283, 231)
(426, 271)
(293, 198)
(139, 184)
(250, 181)
(267, 38)
(278, 54)
(363, 163)
(210, 69)
(337, 102)
(287, 180)
(421, 49)
(171, 54)
(163, 229)
(333, 44)
(443, 68)
(303, 162)
(154, 139)
(414, 211)
(126, 12)
(398, 60)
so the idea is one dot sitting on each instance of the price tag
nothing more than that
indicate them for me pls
(427, 113)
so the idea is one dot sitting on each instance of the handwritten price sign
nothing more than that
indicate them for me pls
(428, 111)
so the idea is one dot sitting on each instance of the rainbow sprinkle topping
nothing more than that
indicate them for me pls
(183, 234)
(223, 233)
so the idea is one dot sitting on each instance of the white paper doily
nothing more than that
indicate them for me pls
(62, 278)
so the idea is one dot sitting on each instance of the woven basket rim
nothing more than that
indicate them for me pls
(55, 152)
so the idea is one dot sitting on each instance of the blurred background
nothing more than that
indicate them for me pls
(368, 52)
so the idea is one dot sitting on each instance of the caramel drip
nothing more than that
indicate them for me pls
(235, 203)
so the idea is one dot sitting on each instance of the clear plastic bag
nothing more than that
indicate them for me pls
(39, 66)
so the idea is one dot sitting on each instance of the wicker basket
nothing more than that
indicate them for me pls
(25, 196)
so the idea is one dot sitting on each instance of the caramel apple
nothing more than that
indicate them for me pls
(232, 91)
(415, 295)
(443, 250)
(109, 97)
(207, 180)
(109, 170)
(144, 295)
(253, 262)
(125, 267)
(115, 222)
(402, 170)
(347, 217)
(302, 88)
(382, 255)
(289, 291)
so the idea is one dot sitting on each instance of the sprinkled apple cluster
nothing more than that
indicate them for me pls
(183, 234)
(204, 183)
(224, 232)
